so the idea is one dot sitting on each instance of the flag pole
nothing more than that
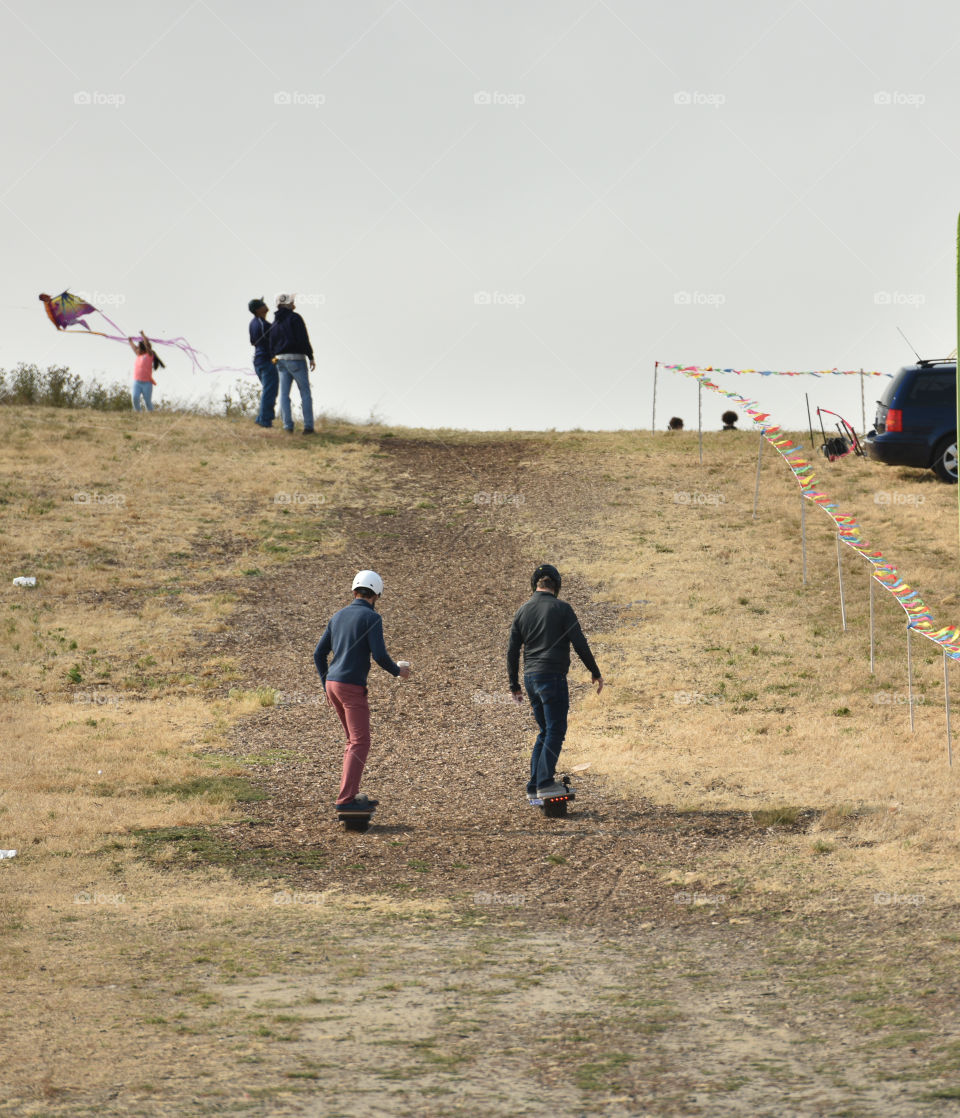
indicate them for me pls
(756, 488)
(863, 406)
(653, 417)
(843, 608)
(700, 416)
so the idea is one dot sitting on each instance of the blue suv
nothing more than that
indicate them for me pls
(916, 423)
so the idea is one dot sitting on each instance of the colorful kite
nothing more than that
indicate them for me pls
(66, 311)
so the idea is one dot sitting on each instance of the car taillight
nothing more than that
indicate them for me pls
(894, 419)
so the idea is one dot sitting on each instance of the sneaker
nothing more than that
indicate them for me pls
(534, 801)
(309, 431)
(549, 791)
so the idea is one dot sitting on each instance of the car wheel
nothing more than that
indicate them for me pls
(945, 461)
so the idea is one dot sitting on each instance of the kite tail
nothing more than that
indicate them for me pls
(199, 362)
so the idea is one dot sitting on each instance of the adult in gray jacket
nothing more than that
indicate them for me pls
(545, 628)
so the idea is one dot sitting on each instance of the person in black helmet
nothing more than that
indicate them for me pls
(545, 628)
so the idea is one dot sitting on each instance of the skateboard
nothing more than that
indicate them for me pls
(555, 807)
(356, 820)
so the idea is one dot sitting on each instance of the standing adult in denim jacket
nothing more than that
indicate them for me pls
(545, 628)
(291, 350)
(263, 364)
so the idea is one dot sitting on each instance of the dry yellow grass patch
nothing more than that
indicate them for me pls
(112, 717)
(132, 526)
(114, 965)
(730, 686)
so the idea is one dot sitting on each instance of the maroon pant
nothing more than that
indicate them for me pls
(349, 700)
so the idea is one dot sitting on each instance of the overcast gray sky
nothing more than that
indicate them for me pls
(496, 215)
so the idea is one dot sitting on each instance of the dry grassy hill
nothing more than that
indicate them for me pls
(760, 867)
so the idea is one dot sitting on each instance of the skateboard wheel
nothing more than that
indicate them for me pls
(359, 823)
(554, 809)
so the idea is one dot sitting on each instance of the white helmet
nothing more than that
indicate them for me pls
(370, 580)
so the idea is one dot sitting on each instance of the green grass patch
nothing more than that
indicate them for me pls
(597, 1076)
(216, 789)
(194, 846)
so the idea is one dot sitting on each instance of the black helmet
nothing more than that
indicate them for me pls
(545, 570)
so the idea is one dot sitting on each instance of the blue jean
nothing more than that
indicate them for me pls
(270, 381)
(145, 389)
(295, 371)
(549, 701)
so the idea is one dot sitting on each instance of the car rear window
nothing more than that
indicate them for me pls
(933, 388)
(892, 388)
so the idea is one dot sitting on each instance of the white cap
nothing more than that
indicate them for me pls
(286, 300)
(370, 580)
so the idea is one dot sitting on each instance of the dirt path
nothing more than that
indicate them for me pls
(679, 995)
(450, 748)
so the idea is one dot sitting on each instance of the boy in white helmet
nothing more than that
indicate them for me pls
(354, 634)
